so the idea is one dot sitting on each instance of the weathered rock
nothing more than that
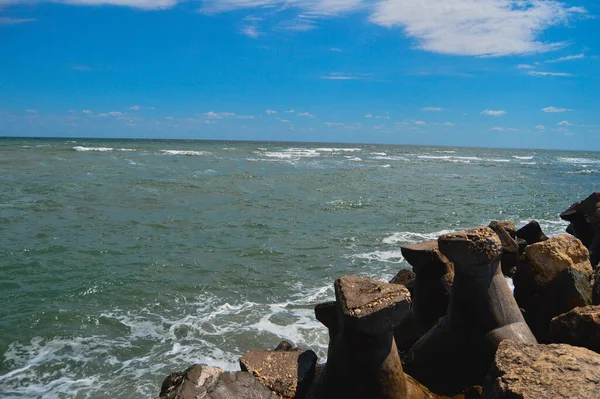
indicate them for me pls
(364, 361)
(327, 314)
(406, 278)
(552, 371)
(456, 353)
(204, 382)
(522, 245)
(434, 274)
(552, 278)
(532, 233)
(584, 218)
(508, 226)
(578, 327)
(288, 373)
(285, 346)
(596, 287)
(510, 249)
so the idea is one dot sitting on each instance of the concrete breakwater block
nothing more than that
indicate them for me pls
(557, 371)
(364, 361)
(457, 352)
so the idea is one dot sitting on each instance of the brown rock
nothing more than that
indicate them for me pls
(579, 327)
(584, 217)
(596, 288)
(532, 233)
(510, 249)
(405, 277)
(287, 373)
(205, 382)
(543, 371)
(552, 278)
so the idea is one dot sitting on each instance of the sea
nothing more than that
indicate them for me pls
(122, 261)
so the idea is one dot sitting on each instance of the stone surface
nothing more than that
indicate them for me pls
(363, 361)
(434, 274)
(532, 233)
(405, 277)
(596, 287)
(579, 327)
(543, 371)
(456, 353)
(285, 346)
(510, 248)
(204, 382)
(288, 373)
(552, 278)
(584, 217)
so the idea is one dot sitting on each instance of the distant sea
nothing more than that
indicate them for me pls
(122, 261)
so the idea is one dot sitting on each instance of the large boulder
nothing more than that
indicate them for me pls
(364, 361)
(596, 287)
(457, 352)
(406, 278)
(584, 217)
(288, 372)
(510, 248)
(579, 327)
(552, 371)
(552, 278)
(532, 233)
(204, 382)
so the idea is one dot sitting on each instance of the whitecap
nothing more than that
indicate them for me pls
(523, 158)
(184, 152)
(99, 149)
(403, 237)
(338, 149)
(380, 256)
(578, 160)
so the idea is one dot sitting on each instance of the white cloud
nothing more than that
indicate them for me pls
(284, 121)
(336, 50)
(339, 76)
(219, 115)
(31, 111)
(540, 127)
(433, 109)
(525, 66)
(420, 123)
(86, 111)
(448, 124)
(333, 124)
(270, 112)
(476, 27)
(538, 73)
(314, 8)
(554, 109)
(491, 112)
(297, 25)
(142, 4)
(250, 31)
(14, 21)
(306, 114)
(568, 58)
(289, 111)
(503, 129)
(368, 116)
(564, 123)
(169, 118)
(135, 108)
(102, 115)
(115, 113)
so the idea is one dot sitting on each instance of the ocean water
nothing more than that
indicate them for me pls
(122, 261)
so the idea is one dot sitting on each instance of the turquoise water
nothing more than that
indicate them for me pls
(122, 261)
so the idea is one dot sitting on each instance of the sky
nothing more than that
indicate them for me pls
(490, 73)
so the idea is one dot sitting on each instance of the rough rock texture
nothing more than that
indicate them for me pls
(532, 233)
(543, 371)
(406, 278)
(510, 249)
(552, 278)
(596, 288)
(364, 362)
(584, 217)
(457, 352)
(204, 382)
(288, 373)
(434, 274)
(579, 327)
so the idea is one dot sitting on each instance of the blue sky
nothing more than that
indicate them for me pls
(500, 73)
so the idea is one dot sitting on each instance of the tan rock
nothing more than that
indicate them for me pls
(542, 372)
(579, 327)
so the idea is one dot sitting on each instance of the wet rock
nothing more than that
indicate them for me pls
(364, 361)
(510, 248)
(204, 382)
(287, 373)
(552, 278)
(457, 352)
(553, 371)
(285, 346)
(584, 218)
(578, 327)
(532, 233)
(434, 274)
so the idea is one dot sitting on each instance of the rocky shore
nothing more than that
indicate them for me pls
(451, 328)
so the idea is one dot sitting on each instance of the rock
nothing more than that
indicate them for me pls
(510, 249)
(285, 346)
(596, 288)
(552, 371)
(327, 314)
(287, 373)
(552, 278)
(508, 226)
(522, 245)
(532, 233)
(406, 278)
(457, 352)
(364, 361)
(584, 218)
(204, 382)
(578, 327)
(434, 274)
